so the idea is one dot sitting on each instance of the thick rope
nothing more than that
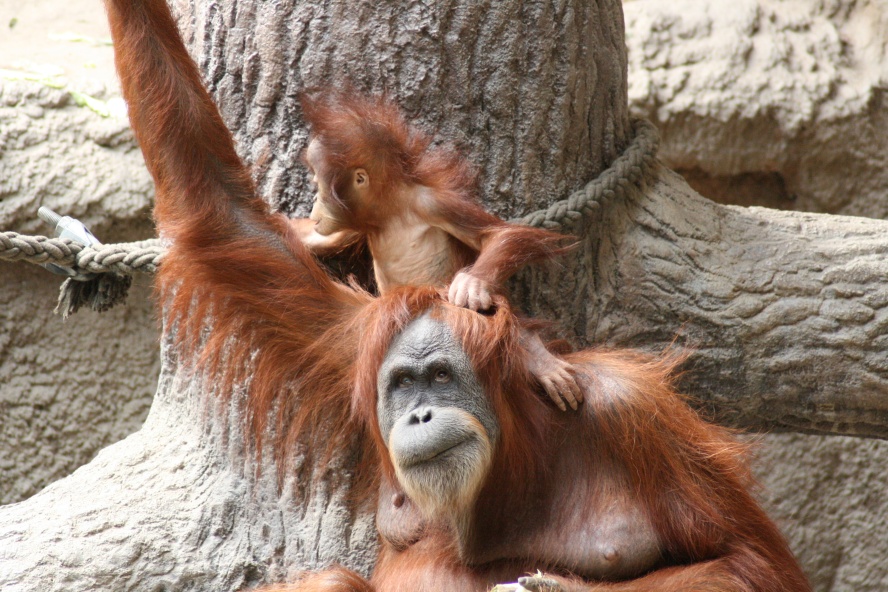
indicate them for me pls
(124, 258)
(107, 268)
(102, 273)
(632, 168)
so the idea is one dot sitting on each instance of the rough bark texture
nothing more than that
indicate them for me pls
(534, 92)
(175, 507)
(785, 313)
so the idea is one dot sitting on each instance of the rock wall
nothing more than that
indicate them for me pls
(783, 104)
(828, 496)
(67, 388)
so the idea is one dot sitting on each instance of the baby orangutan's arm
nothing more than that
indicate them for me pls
(320, 244)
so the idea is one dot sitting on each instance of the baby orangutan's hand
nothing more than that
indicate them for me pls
(321, 244)
(470, 292)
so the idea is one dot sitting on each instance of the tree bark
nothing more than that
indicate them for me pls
(534, 92)
(785, 312)
(179, 506)
(784, 315)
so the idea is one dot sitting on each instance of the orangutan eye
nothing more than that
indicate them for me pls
(442, 375)
(405, 380)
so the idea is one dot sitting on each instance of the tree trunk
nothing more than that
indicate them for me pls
(535, 93)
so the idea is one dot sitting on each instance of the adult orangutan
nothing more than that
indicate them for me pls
(478, 479)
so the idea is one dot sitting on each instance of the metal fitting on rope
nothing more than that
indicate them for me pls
(98, 291)
(73, 229)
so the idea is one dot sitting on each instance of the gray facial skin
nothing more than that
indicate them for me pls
(435, 417)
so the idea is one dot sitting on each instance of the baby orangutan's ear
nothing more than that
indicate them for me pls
(360, 179)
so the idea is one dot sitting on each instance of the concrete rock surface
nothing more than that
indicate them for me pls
(828, 496)
(67, 389)
(781, 103)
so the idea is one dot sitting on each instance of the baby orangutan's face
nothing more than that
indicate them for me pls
(331, 214)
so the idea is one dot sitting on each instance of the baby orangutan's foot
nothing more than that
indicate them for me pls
(554, 374)
(557, 379)
(535, 583)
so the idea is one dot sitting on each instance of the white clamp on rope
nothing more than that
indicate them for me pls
(73, 229)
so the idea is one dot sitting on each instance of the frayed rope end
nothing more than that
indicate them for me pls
(98, 293)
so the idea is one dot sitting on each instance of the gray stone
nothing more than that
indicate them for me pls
(779, 103)
(67, 389)
(783, 104)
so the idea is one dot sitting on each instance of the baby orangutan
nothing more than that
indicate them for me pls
(379, 181)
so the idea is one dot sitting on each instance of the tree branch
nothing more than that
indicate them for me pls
(785, 314)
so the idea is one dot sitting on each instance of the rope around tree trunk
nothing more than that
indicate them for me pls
(111, 266)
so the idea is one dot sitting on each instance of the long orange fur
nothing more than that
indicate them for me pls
(308, 349)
